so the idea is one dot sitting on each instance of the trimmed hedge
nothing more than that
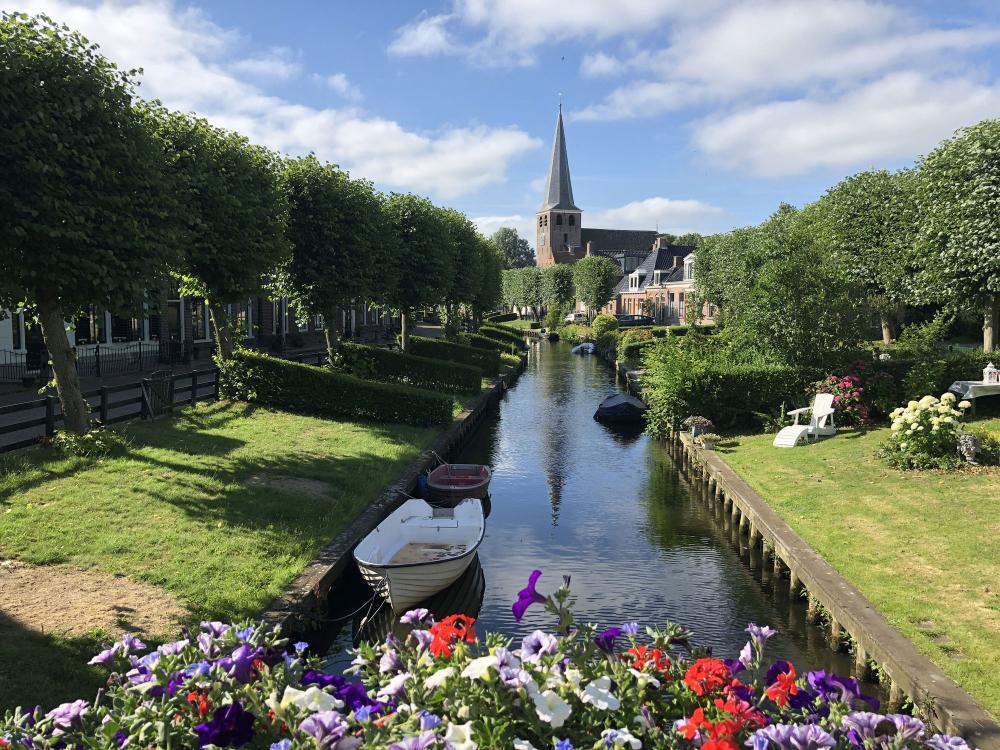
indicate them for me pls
(388, 366)
(308, 389)
(500, 317)
(488, 360)
(631, 352)
(510, 360)
(506, 335)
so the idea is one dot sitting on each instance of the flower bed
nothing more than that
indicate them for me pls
(442, 687)
(925, 434)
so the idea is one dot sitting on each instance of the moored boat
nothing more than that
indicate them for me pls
(449, 484)
(620, 407)
(585, 348)
(419, 550)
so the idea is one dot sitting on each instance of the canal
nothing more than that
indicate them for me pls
(609, 508)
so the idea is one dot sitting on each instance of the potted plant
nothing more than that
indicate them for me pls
(698, 425)
(708, 440)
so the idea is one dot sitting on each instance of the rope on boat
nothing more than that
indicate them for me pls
(348, 617)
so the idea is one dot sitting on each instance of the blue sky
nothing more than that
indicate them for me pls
(682, 115)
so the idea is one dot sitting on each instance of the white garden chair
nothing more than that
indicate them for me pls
(820, 423)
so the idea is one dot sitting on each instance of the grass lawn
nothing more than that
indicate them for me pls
(922, 546)
(220, 507)
(517, 323)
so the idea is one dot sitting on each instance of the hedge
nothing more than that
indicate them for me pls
(388, 366)
(510, 360)
(488, 360)
(485, 342)
(263, 379)
(506, 335)
(500, 317)
(631, 352)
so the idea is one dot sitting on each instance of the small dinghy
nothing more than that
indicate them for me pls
(584, 348)
(620, 407)
(450, 484)
(419, 550)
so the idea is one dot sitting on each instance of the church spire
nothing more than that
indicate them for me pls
(559, 190)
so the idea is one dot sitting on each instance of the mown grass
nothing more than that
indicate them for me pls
(195, 505)
(922, 546)
(519, 323)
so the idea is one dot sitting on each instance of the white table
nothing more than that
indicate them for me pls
(973, 389)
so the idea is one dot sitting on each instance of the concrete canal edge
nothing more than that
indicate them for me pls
(303, 601)
(937, 698)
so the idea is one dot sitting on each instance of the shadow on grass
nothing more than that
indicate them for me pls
(45, 669)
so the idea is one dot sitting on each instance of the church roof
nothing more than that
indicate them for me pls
(615, 240)
(559, 189)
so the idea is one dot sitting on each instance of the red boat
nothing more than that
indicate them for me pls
(449, 484)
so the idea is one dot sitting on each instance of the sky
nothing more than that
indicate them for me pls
(679, 115)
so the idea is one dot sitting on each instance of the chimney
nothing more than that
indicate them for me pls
(590, 248)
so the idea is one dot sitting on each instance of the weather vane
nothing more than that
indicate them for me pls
(560, 101)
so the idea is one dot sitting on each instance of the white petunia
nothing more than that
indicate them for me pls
(598, 694)
(477, 668)
(311, 699)
(459, 736)
(438, 679)
(620, 738)
(551, 708)
(523, 745)
(644, 678)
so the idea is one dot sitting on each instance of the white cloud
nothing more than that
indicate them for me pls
(423, 37)
(340, 83)
(601, 65)
(538, 184)
(525, 225)
(279, 64)
(641, 98)
(899, 115)
(667, 214)
(192, 64)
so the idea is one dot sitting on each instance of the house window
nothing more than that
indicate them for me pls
(125, 329)
(199, 320)
(572, 220)
(90, 328)
(16, 321)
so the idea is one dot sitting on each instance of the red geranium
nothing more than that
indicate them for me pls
(644, 655)
(449, 631)
(198, 701)
(783, 687)
(706, 676)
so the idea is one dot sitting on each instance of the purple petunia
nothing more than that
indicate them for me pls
(527, 596)
(215, 628)
(537, 644)
(414, 616)
(281, 744)
(792, 737)
(947, 742)
(423, 638)
(106, 657)
(239, 664)
(605, 640)
(630, 628)
(300, 647)
(330, 731)
(390, 662)
(760, 634)
(429, 721)
(66, 714)
(421, 741)
(231, 726)
(860, 726)
(564, 744)
(172, 649)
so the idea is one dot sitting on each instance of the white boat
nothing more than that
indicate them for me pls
(420, 550)
(585, 348)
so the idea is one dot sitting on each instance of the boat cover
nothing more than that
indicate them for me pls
(620, 408)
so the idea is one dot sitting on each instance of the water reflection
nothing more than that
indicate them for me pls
(612, 510)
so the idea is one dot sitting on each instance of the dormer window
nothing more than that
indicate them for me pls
(689, 268)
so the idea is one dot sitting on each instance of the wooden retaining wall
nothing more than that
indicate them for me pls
(911, 675)
(303, 601)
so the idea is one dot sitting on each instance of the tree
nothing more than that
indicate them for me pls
(514, 249)
(869, 221)
(339, 248)
(557, 285)
(531, 289)
(467, 268)
(489, 292)
(235, 214)
(510, 285)
(86, 208)
(958, 197)
(595, 278)
(422, 257)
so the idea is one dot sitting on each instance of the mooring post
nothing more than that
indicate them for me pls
(812, 611)
(794, 584)
(836, 635)
(895, 701)
(860, 662)
(778, 566)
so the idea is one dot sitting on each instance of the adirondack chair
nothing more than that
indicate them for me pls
(820, 423)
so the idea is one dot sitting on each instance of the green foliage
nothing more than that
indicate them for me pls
(489, 292)
(632, 341)
(422, 257)
(340, 250)
(388, 366)
(99, 443)
(558, 290)
(500, 317)
(603, 324)
(594, 279)
(505, 335)
(921, 345)
(486, 359)
(235, 212)
(925, 434)
(522, 287)
(478, 341)
(307, 389)
(514, 250)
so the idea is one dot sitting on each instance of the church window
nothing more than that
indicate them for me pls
(572, 220)
(559, 220)
(539, 221)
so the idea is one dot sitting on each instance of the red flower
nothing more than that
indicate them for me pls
(450, 630)
(706, 676)
(644, 655)
(745, 714)
(199, 701)
(689, 727)
(723, 744)
(783, 687)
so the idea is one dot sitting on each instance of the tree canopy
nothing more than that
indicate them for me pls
(594, 278)
(558, 289)
(514, 249)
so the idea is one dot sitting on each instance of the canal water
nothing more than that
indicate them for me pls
(610, 509)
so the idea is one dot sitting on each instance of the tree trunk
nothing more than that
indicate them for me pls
(76, 413)
(331, 331)
(886, 328)
(991, 321)
(223, 328)
(404, 326)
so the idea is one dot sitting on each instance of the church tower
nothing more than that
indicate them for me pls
(557, 230)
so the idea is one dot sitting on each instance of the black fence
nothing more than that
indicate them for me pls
(31, 421)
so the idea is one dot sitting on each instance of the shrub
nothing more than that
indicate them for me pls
(632, 341)
(925, 434)
(388, 366)
(308, 389)
(441, 685)
(488, 360)
(632, 352)
(477, 341)
(509, 360)
(98, 443)
(603, 324)
(847, 393)
(534, 325)
(505, 335)
(500, 317)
